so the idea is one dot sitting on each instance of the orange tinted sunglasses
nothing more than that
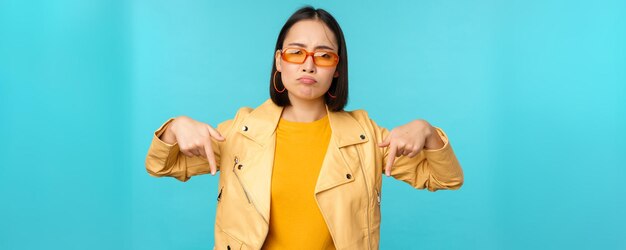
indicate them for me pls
(320, 58)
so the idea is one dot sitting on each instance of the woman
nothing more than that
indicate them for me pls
(299, 172)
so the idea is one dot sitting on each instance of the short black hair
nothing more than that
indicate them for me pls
(339, 85)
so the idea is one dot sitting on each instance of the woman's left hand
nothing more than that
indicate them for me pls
(410, 139)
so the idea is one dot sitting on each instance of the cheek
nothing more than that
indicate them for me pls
(290, 68)
(326, 75)
(289, 72)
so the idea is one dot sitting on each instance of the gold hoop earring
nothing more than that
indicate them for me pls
(274, 81)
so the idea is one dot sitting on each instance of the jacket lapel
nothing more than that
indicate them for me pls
(340, 160)
(338, 165)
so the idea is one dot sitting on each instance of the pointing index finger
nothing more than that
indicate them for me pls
(210, 156)
(391, 156)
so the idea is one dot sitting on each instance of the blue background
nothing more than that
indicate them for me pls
(531, 93)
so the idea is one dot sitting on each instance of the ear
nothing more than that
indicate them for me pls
(336, 74)
(277, 60)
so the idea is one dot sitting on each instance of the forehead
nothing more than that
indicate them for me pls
(311, 33)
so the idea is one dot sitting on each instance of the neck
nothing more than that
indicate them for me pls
(304, 110)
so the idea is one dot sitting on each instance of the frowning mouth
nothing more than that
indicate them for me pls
(307, 80)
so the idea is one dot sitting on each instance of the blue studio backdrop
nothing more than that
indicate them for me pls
(531, 93)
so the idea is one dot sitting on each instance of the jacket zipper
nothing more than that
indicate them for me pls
(219, 196)
(241, 184)
(367, 190)
(246, 192)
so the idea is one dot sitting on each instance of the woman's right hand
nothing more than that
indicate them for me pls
(193, 138)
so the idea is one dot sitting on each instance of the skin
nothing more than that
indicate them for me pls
(307, 103)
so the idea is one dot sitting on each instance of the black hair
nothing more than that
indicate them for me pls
(339, 85)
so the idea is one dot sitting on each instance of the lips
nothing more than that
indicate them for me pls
(307, 80)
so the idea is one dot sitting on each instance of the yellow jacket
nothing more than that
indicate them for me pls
(347, 189)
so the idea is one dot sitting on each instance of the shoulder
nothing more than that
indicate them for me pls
(241, 114)
(243, 111)
(364, 120)
(360, 115)
(226, 126)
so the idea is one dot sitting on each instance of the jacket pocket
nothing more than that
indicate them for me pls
(376, 215)
(224, 241)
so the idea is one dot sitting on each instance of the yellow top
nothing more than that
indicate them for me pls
(295, 218)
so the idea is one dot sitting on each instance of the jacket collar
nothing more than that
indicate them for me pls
(261, 124)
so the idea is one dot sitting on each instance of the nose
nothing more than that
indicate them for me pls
(308, 65)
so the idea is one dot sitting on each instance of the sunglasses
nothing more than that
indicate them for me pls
(320, 58)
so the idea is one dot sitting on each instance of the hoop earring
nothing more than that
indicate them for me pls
(274, 81)
(331, 96)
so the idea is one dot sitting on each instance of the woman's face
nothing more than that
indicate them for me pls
(307, 81)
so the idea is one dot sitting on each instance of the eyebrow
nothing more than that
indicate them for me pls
(316, 47)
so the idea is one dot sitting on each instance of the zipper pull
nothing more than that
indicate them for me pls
(236, 161)
(219, 196)
(378, 197)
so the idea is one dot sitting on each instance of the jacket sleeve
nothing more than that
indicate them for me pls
(429, 169)
(166, 160)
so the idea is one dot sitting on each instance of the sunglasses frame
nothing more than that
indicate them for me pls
(282, 55)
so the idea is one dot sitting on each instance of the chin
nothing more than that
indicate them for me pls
(311, 97)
